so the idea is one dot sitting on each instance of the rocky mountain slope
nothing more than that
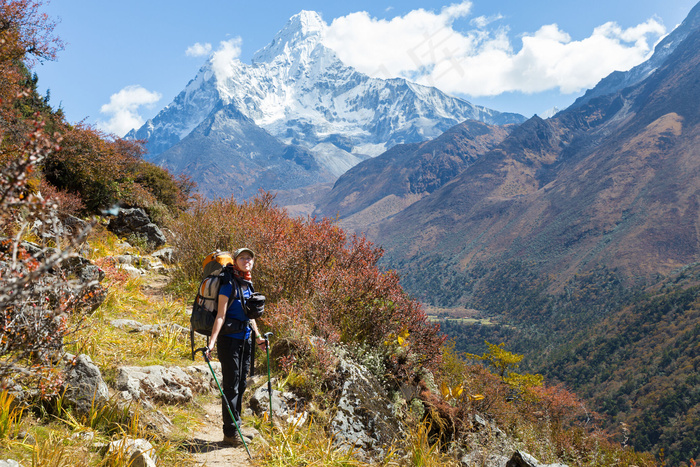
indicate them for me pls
(380, 187)
(299, 92)
(619, 80)
(614, 182)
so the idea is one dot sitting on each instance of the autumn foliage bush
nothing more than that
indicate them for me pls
(103, 172)
(548, 421)
(318, 281)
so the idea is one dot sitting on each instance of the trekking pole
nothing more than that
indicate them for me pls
(269, 383)
(228, 406)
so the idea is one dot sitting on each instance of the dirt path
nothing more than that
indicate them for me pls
(207, 447)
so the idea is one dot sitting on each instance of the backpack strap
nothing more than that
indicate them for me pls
(225, 275)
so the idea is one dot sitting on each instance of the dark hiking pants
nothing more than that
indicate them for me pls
(234, 355)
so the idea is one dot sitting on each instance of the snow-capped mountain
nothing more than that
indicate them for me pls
(299, 92)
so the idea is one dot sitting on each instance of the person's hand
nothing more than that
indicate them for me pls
(207, 353)
(261, 341)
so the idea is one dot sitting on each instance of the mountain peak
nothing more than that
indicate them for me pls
(308, 22)
(306, 28)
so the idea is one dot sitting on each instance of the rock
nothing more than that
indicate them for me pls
(131, 270)
(155, 329)
(285, 405)
(83, 435)
(139, 452)
(483, 460)
(83, 268)
(364, 420)
(156, 421)
(89, 274)
(65, 228)
(84, 384)
(523, 459)
(75, 224)
(135, 222)
(170, 385)
(10, 463)
(134, 260)
(166, 255)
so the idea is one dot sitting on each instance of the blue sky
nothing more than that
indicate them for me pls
(124, 61)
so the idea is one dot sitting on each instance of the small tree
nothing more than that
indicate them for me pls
(499, 358)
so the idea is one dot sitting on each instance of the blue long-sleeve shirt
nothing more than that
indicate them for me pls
(235, 309)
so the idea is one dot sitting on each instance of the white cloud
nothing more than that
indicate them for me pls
(425, 46)
(223, 59)
(483, 21)
(123, 108)
(371, 45)
(198, 50)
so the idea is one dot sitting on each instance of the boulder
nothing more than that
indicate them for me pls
(170, 385)
(84, 384)
(483, 459)
(364, 420)
(136, 452)
(89, 274)
(166, 255)
(134, 260)
(135, 222)
(82, 268)
(65, 226)
(285, 405)
(523, 459)
(156, 329)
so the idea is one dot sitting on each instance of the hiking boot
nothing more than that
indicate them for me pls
(234, 441)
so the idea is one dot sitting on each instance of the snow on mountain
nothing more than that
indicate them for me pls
(298, 91)
(549, 113)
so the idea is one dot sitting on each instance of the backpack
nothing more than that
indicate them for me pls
(216, 271)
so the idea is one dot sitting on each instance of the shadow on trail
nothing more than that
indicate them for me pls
(197, 446)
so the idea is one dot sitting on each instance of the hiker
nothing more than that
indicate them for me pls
(234, 350)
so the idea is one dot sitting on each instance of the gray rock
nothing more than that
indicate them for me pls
(139, 452)
(285, 405)
(135, 222)
(364, 420)
(75, 224)
(134, 260)
(84, 384)
(132, 271)
(166, 255)
(170, 385)
(91, 273)
(476, 458)
(523, 459)
(156, 329)
(10, 463)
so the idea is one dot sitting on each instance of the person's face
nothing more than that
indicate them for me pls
(245, 261)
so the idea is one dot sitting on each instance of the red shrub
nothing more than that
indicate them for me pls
(318, 282)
